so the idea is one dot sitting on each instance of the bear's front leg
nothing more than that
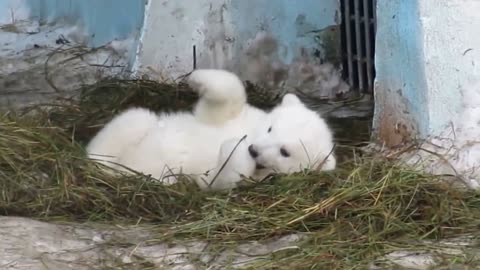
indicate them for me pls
(234, 164)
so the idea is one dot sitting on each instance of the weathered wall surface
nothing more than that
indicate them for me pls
(428, 82)
(153, 37)
(103, 21)
(13, 10)
(426, 56)
(221, 29)
(294, 24)
(401, 106)
(451, 54)
(50, 46)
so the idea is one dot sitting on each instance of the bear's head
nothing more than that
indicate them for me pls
(293, 138)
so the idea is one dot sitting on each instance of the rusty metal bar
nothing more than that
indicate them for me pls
(368, 45)
(349, 41)
(358, 39)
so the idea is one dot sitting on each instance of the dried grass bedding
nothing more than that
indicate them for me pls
(367, 207)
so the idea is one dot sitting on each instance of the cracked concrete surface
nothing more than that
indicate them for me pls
(30, 244)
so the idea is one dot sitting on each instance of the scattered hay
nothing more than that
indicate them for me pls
(86, 111)
(365, 208)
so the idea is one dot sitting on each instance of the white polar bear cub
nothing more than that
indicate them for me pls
(288, 139)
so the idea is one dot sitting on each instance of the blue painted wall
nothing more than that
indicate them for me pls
(12, 7)
(221, 30)
(104, 20)
(399, 60)
(293, 22)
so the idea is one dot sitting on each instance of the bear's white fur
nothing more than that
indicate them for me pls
(288, 139)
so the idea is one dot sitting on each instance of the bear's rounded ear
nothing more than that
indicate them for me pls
(290, 99)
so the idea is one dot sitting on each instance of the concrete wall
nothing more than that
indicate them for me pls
(99, 22)
(13, 10)
(103, 20)
(294, 24)
(451, 52)
(159, 34)
(220, 29)
(426, 55)
(428, 83)
(400, 89)
(30, 29)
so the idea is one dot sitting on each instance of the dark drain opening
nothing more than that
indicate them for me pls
(358, 28)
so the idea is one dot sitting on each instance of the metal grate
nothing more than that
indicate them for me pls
(358, 29)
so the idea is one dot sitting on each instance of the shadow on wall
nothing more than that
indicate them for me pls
(306, 75)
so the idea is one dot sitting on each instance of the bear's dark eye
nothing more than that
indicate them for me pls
(269, 129)
(284, 152)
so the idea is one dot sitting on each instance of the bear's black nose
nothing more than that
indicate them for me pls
(252, 151)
